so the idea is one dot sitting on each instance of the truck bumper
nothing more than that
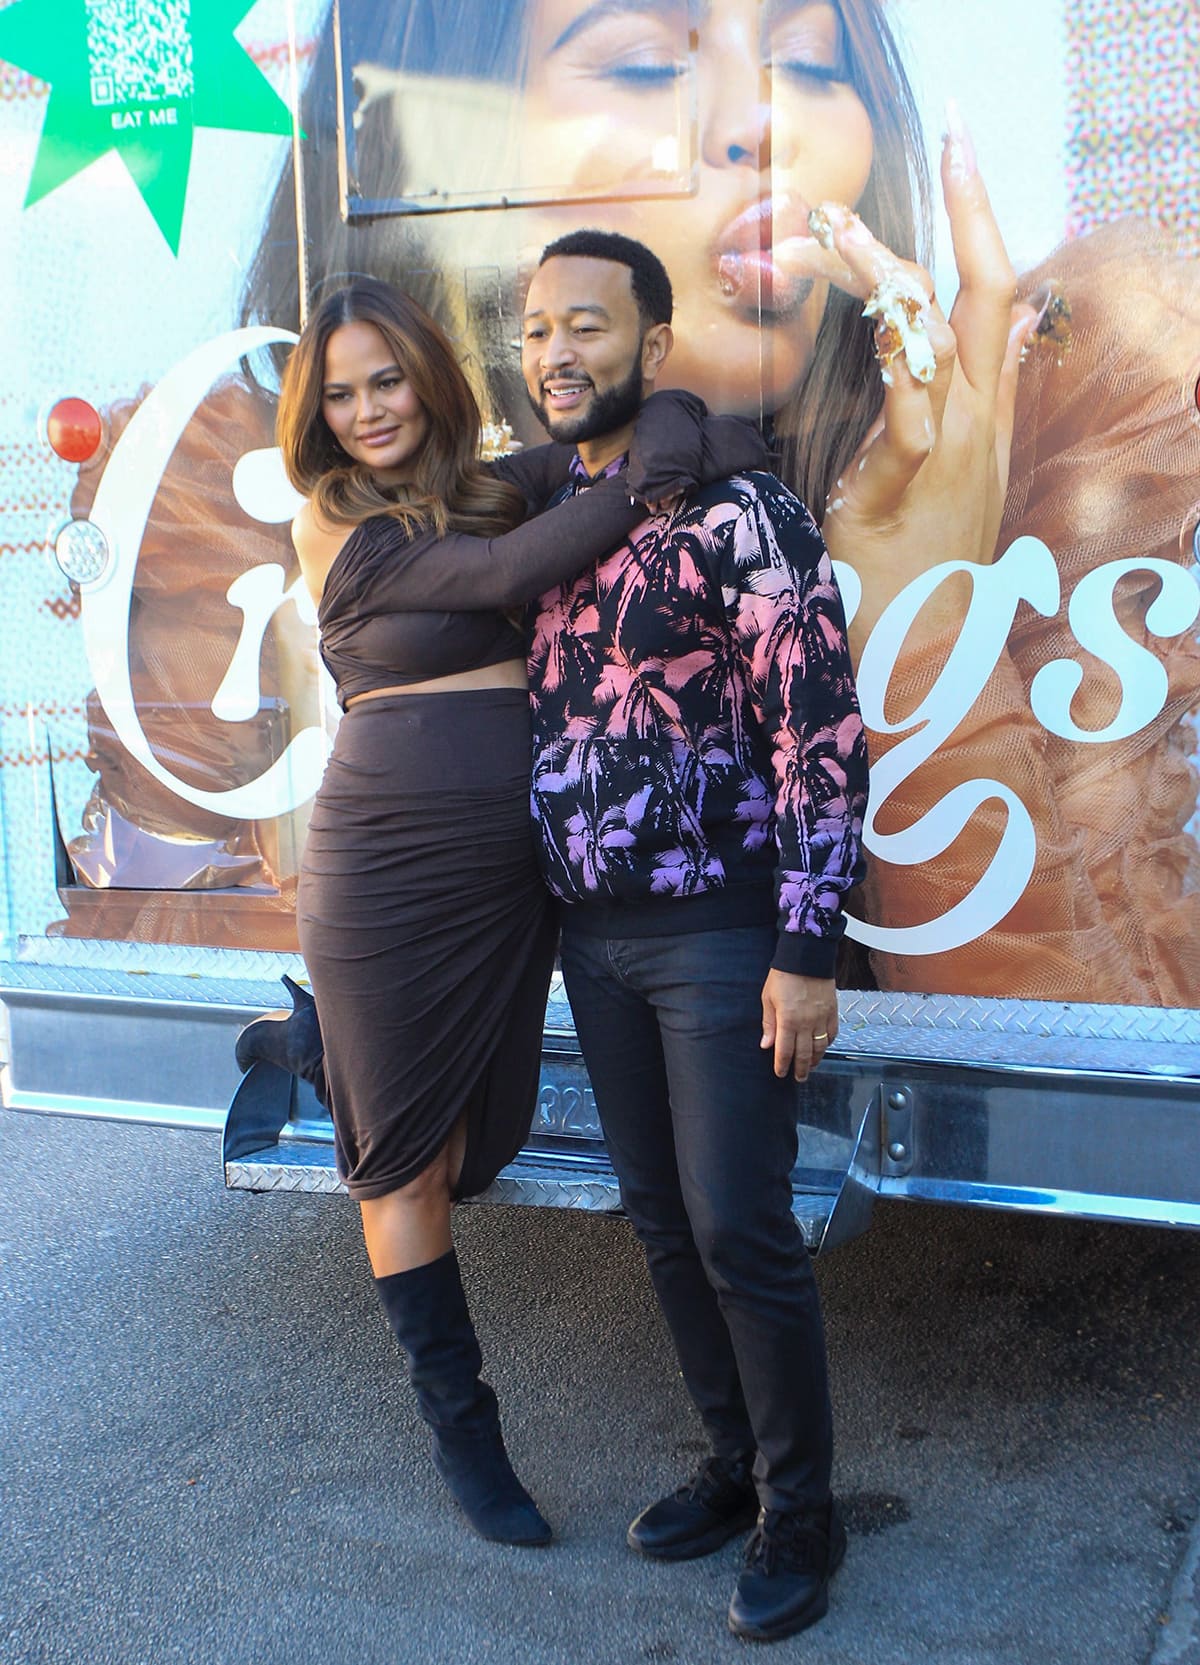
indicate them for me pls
(1087, 1111)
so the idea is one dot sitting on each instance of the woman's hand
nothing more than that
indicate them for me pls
(928, 484)
(678, 445)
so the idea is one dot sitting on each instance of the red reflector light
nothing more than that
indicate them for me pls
(74, 430)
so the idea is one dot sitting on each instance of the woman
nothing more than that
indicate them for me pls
(424, 925)
(798, 106)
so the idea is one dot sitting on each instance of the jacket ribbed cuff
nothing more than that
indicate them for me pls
(804, 954)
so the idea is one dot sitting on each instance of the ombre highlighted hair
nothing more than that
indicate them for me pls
(450, 490)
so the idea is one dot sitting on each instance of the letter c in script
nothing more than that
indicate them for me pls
(122, 508)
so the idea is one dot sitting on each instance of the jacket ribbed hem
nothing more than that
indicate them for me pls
(668, 916)
(728, 909)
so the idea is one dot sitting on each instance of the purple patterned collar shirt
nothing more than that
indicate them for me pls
(699, 760)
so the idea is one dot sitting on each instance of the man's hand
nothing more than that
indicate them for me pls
(800, 1018)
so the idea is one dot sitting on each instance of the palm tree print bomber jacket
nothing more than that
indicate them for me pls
(699, 759)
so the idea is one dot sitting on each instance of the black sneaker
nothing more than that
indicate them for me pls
(713, 1506)
(789, 1562)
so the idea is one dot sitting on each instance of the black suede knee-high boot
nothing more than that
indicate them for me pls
(292, 1041)
(427, 1309)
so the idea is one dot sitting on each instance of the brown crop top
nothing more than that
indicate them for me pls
(390, 649)
(398, 609)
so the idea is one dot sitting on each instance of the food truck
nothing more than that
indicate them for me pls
(181, 179)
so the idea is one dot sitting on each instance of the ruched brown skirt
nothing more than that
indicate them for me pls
(428, 934)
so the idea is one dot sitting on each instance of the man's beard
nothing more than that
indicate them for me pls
(614, 408)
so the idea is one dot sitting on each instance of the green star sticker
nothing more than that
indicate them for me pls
(137, 77)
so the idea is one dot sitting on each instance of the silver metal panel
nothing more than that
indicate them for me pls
(1079, 1205)
(120, 1058)
(1100, 1146)
(194, 1117)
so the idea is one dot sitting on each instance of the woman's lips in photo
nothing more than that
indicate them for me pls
(384, 437)
(765, 257)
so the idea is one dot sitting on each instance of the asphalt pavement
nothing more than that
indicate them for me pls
(209, 1452)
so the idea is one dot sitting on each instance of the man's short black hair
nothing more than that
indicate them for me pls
(651, 285)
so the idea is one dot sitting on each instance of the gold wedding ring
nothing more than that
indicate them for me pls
(821, 1037)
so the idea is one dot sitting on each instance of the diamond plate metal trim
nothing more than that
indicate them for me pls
(206, 973)
(266, 1176)
(1088, 1055)
(111, 983)
(865, 1012)
(521, 1185)
(164, 959)
(1038, 1018)
(524, 1187)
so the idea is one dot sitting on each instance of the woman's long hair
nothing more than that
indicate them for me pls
(818, 429)
(821, 427)
(448, 490)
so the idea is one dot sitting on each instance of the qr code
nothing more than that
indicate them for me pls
(139, 51)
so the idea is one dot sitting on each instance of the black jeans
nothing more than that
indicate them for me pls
(703, 1140)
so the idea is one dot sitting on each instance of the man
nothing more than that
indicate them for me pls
(699, 781)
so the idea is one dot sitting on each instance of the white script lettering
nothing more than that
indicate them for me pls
(1026, 572)
(122, 508)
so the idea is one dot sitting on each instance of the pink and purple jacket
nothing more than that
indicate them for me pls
(699, 760)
